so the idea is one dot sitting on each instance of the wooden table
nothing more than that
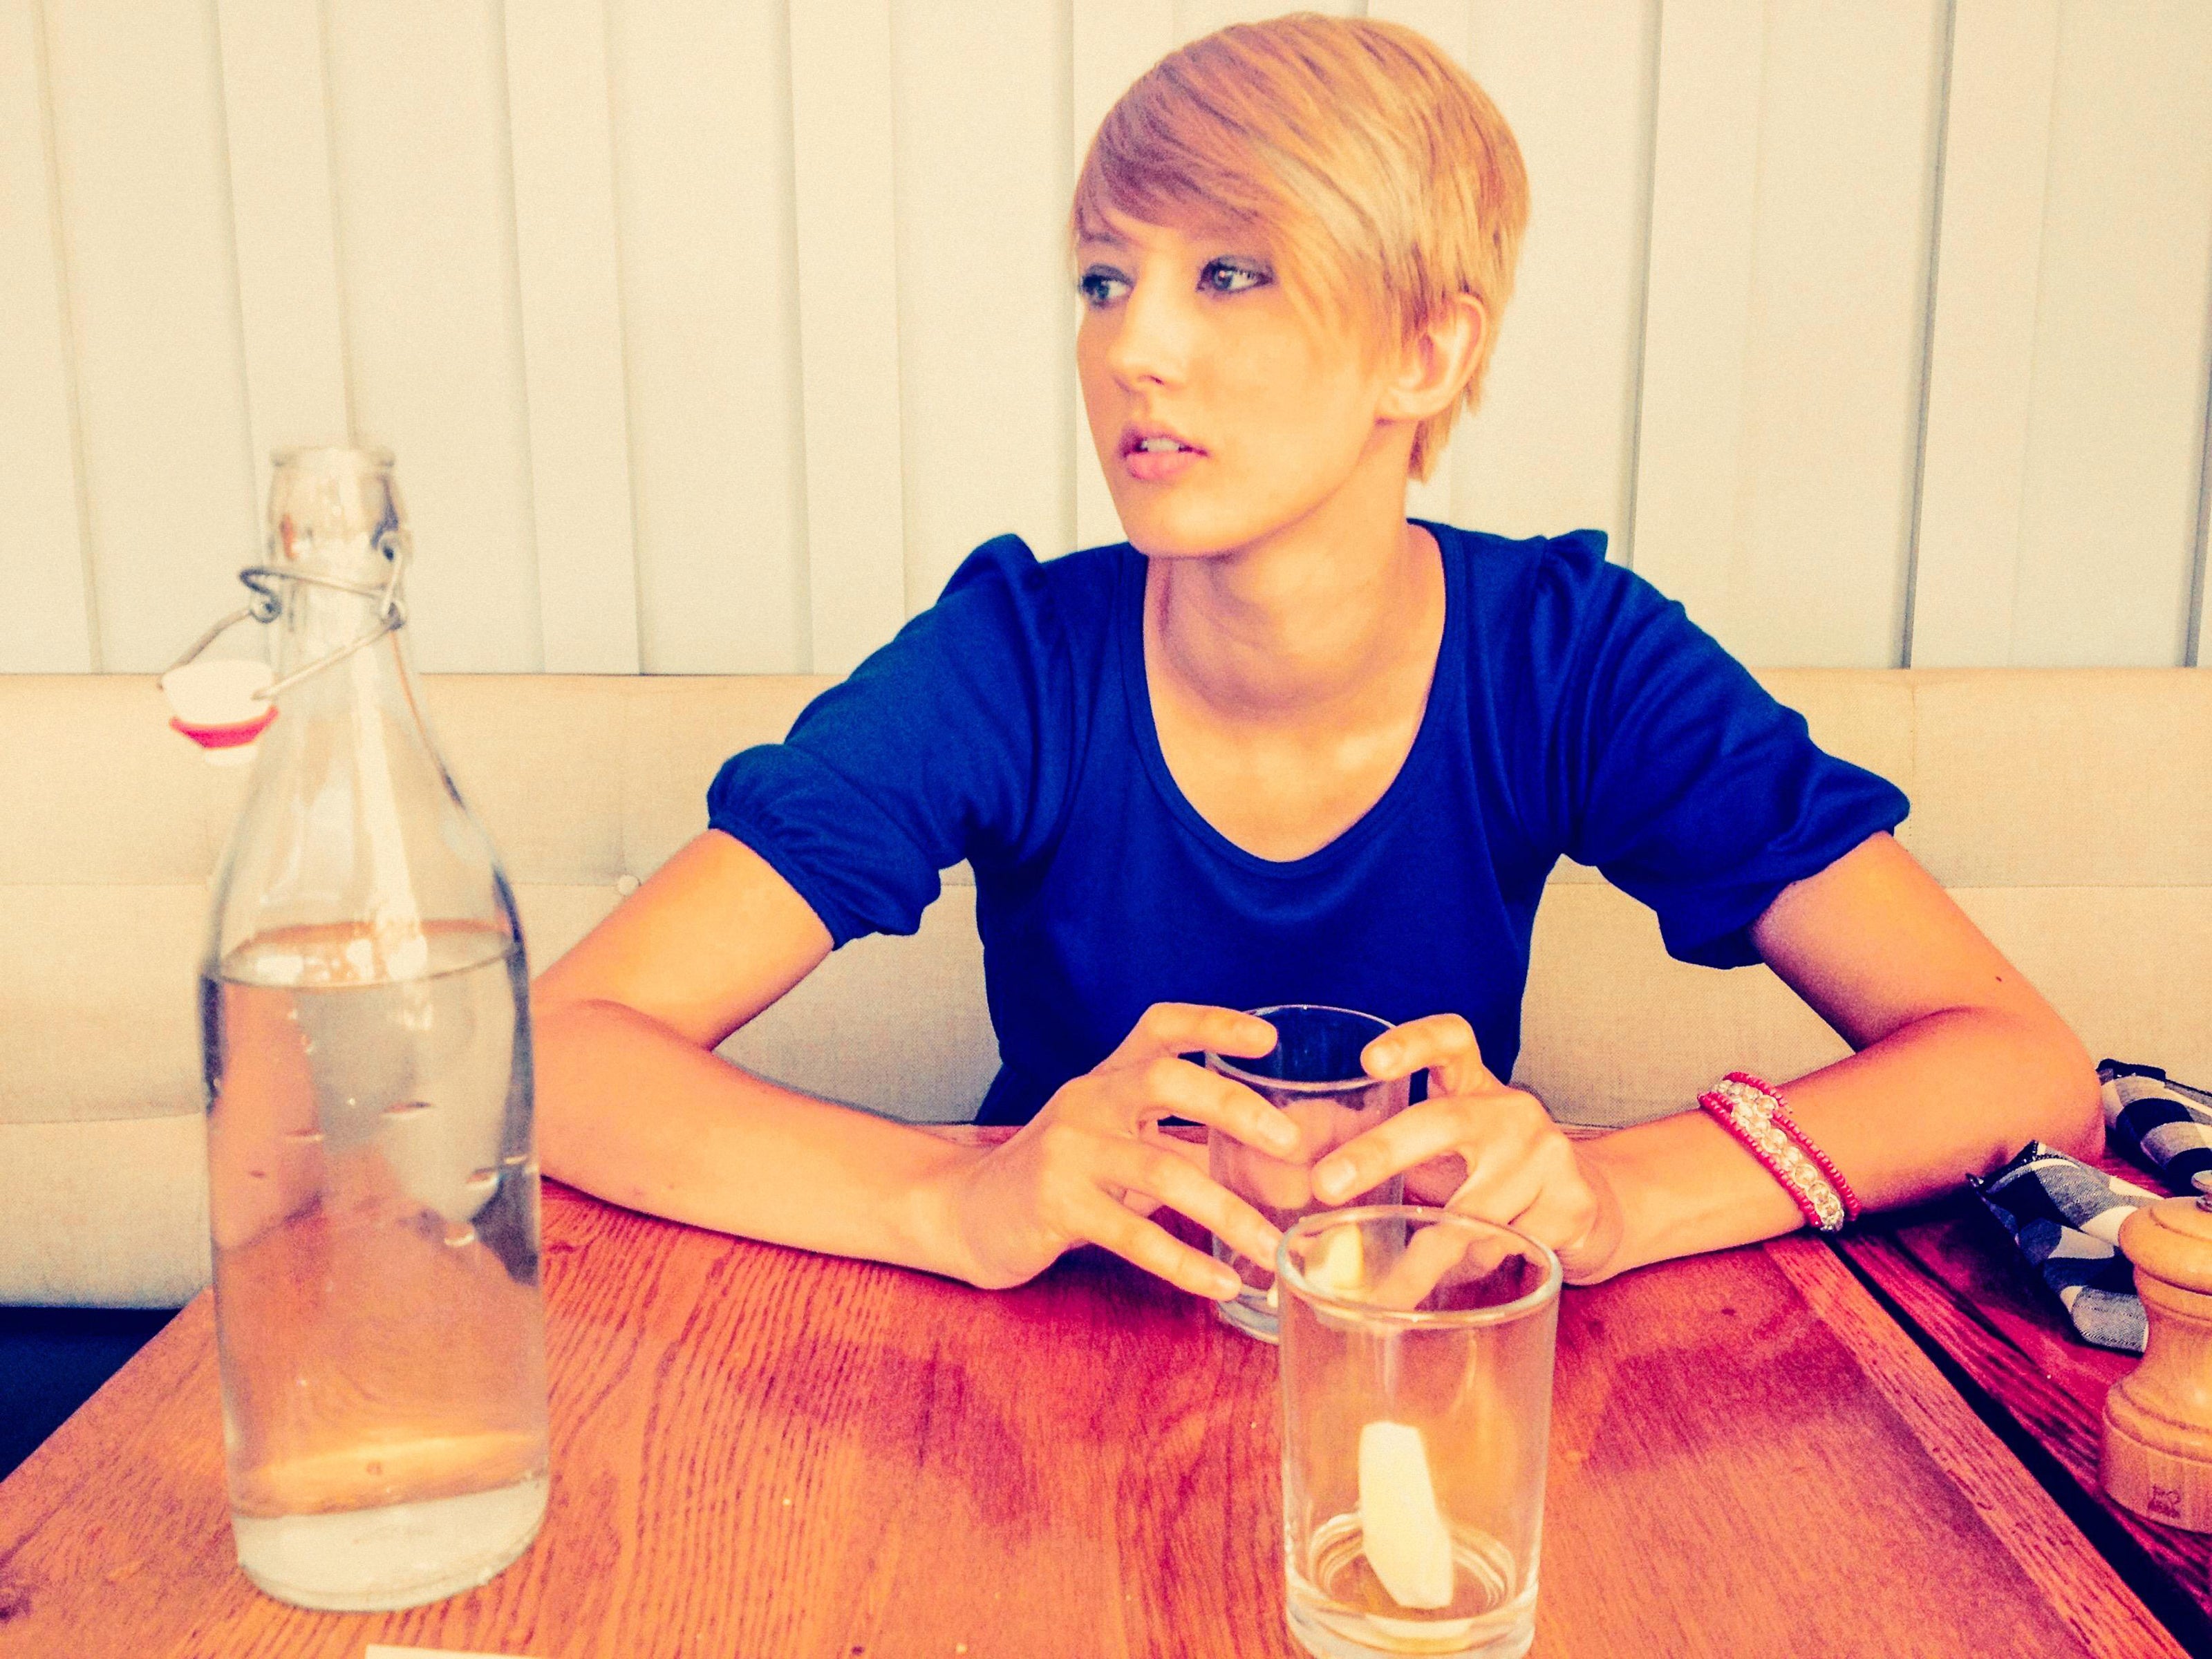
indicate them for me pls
(1957, 1285)
(761, 1453)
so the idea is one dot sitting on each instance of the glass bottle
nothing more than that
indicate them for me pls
(373, 1178)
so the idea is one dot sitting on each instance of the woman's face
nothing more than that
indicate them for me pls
(1220, 412)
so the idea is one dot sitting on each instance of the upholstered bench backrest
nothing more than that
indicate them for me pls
(2070, 813)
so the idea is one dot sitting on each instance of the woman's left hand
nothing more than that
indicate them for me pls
(1480, 1148)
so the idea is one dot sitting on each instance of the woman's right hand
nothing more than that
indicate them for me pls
(1094, 1163)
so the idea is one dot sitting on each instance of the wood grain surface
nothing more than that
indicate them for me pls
(759, 1452)
(1966, 1291)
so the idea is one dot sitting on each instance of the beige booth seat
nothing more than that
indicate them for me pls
(2070, 813)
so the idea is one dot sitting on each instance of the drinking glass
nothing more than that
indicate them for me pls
(1417, 1406)
(1314, 1076)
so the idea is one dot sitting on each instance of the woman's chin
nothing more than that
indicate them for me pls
(1177, 530)
(1152, 549)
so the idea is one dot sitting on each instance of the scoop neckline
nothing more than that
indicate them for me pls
(1444, 687)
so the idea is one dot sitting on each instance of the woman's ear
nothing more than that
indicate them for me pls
(1435, 365)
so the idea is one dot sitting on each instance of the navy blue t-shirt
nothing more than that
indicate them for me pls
(1574, 712)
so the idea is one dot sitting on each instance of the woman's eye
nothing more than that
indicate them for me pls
(1100, 287)
(1230, 276)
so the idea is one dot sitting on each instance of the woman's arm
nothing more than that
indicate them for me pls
(1958, 1067)
(1959, 1063)
(635, 1106)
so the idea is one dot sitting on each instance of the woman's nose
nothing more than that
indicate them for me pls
(1151, 339)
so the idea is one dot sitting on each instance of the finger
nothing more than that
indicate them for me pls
(1146, 1245)
(1183, 1028)
(1160, 1174)
(1433, 1128)
(1169, 1087)
(1443, 1044)
(1193, 1152)
(1497, 1189)
(1435, 1182)
(1429, 1254)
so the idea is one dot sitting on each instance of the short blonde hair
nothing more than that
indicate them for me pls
(1380, 174)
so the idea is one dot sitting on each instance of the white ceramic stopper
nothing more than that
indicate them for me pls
(213, 703)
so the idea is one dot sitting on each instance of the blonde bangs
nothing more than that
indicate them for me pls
(1377, 174)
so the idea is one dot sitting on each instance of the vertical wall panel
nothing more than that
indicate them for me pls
(986, 325)
(1783, 345)
(1446, 22)
(46, 626)
(1839, 304)
(154, 307)
(1195, 17)
(1551, 448)
(1112, 43)
(842, 139)
(276, 115)
(1697, 331)
(2115, 440)
(709, 288)
(1996, 147)
(426, 233)
(572, 349)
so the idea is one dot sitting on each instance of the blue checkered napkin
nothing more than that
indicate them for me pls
(2066, 1217)
(2166, 1126)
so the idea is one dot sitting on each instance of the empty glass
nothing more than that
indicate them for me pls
(1314, 1076)
(1417, 1407)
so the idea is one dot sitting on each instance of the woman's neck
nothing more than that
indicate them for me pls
(1341, 610)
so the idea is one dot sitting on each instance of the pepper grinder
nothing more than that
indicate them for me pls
(2158, 1418)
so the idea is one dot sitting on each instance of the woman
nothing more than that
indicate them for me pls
(1287, 746)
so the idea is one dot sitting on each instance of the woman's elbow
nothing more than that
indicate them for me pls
(2069, 1112)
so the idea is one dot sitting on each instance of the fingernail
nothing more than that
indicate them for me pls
(1225, 1285)
(1330, 1179)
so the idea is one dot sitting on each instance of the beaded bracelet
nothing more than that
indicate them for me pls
(1753, 1113)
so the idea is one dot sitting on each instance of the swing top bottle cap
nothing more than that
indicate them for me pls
(217, 704)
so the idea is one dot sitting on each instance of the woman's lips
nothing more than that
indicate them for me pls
(1153, 465)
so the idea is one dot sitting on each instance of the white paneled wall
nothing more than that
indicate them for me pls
(712, 333)
(2115, 442)
(1552, 446)
(706, 238)
(561, 127)
(423, 165)
(143, 241)
(47, 625)
(2062, 505)
(985, 327)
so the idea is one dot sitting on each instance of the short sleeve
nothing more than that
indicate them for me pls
(1653, 754)
(932, 750)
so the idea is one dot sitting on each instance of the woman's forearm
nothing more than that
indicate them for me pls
(1953, 1094)
(629, 1111)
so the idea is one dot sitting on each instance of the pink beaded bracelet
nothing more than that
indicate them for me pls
(1754, 1113)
